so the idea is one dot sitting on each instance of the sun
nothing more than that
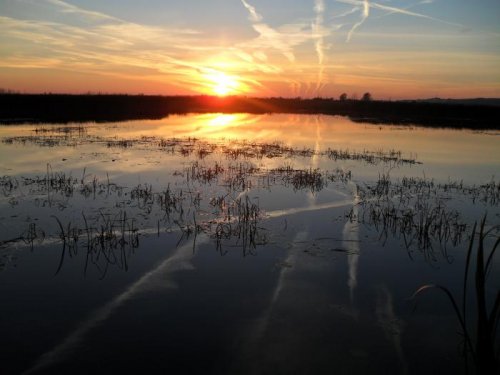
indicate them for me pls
(222, 84)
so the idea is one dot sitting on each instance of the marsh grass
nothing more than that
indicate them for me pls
(170, 201)
(311, 179)
(392, 157)
(78, 130)
(241, 176)
(193, 147)
(481, 340)
(239, 222)
(66, 185)
(210, 196)
(108, 235)
(8, 184)
(412, 209)
(417, 210)
(107, 240)
(204, 174)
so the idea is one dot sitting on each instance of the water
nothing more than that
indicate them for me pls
(240, 244)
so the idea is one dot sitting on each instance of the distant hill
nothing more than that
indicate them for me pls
(495, 102)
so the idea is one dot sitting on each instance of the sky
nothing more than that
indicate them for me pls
(399, 49)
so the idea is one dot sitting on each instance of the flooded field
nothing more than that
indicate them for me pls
(244, 244)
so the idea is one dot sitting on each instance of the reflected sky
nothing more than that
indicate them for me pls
(240, 262)
(455, 154)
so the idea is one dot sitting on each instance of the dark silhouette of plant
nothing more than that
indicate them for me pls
(366, 97)
(343, 97)
(483, 352)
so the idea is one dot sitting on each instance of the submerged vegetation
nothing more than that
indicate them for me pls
(417, 210)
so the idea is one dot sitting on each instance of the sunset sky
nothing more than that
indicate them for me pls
(394, 49)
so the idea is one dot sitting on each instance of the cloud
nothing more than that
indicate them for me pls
(70, 8)
(347, 13)
(394, 10)
(282, 39)
(317, 27)
(113, 48)
(254, 16)
(364, 15)
(285, 40)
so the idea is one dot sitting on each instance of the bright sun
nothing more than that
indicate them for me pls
(222, 84)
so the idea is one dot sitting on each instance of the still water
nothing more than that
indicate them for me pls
(241, 244)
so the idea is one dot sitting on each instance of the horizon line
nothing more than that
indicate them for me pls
(354, 97)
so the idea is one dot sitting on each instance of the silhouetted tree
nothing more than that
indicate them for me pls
(343, 96)
(366, 97)
(8, 91)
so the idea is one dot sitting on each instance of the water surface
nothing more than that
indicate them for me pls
(239, 244)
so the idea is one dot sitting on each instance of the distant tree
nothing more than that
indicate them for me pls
(8, 91)
(343, 97)
(366, 97)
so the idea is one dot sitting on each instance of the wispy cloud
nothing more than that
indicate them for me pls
(364, 15)
(411, 6)
(106, 45)
(346, 13)
(317, 28)
(65, 7)
(283, 39)
(254, 16)
(394, 10)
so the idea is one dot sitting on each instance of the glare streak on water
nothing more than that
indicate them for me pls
(180, 260)
(350, 236)
(314, 207)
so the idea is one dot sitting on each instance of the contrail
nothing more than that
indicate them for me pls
(273, 38)
(346, 13)
(254, 16)
(317, 28)
(365, 14)
(409, 13)
(70, 8)
(315, 207)
(407, 8)
(366, 11)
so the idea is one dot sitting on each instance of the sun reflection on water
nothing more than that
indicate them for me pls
(224, 120)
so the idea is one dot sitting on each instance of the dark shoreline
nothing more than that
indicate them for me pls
(60, 108)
